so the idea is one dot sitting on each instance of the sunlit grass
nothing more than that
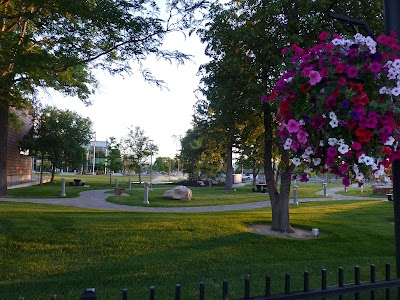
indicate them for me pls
(46, 249)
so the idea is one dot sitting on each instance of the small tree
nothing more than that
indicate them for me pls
(139, 148)
(113, 159)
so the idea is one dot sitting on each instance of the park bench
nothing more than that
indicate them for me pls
(77, 182)
(261, 188)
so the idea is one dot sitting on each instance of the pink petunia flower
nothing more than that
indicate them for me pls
(293, 126)
(315, 77)
(302, 137)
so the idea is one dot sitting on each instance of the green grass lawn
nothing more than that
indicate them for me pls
(47, 249)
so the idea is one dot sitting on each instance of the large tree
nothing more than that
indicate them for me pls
(59, 136)
(56, 44)
(228, 86)
(261, 29)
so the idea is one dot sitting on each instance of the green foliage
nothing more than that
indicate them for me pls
(60, 136)
(58, 44)
(114, 162)
(138, 147)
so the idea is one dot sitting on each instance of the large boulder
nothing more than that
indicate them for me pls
(179, 192)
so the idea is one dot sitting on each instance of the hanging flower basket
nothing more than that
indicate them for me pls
(338, 106)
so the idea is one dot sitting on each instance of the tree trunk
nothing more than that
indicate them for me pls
(229, 168)
(4, 110)
(279, 200)
(53, 172)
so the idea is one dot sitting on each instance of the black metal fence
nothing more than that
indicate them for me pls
(388, 289)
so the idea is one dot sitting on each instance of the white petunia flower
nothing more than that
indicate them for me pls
(334, 123)
(309, 151)
(361, 158)
(332, 141)
(368, 160)
(390, 141)
(396, 64)
(296, 161)
(360, 177)
(316, 161)
(308, 170)
(355, 169)
(343, 148)
(337, 42)
(383, 90)
(332, 115)
(396, 91)
(321, 143)
(301, 122)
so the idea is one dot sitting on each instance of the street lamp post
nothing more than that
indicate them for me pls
(94, 152)
(151, 164)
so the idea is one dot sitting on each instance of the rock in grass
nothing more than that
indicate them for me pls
(179, 192)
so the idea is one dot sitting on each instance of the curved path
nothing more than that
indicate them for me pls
(97, 199)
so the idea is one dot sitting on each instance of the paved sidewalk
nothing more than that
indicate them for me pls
(96, 199)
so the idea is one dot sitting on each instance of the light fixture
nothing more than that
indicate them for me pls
(315, 232)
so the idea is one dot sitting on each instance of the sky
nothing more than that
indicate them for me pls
(122, 102)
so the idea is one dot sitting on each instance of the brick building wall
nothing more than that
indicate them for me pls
(19, 166)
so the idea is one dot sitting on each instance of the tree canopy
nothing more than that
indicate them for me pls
(57, 44)
(59, 136)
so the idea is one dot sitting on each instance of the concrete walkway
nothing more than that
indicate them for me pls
(96, 199)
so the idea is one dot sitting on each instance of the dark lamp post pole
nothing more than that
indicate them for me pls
(391, 12)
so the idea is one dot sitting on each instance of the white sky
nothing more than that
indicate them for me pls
(123, 102)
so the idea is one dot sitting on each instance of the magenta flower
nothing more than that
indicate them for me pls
(293, 126)
(375, 67)
(356, 146)
(331, 152)
(352, 71)
(342, 81)
(346, 181)
(294, 146)
(344, 167)
(315, 77)
(317, 122)
(323, 35)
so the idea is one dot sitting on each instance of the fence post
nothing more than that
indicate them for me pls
(287, 283)
(116, 182)
(178, 292)
(225, 290)
(125, 294)
(152, 292)
(130, 183)
(202, 287)
(89, 294)
(247, 287)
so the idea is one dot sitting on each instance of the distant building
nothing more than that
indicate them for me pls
(98, 150)
(19, 165)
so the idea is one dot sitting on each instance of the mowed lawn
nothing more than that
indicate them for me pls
(48, 250)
